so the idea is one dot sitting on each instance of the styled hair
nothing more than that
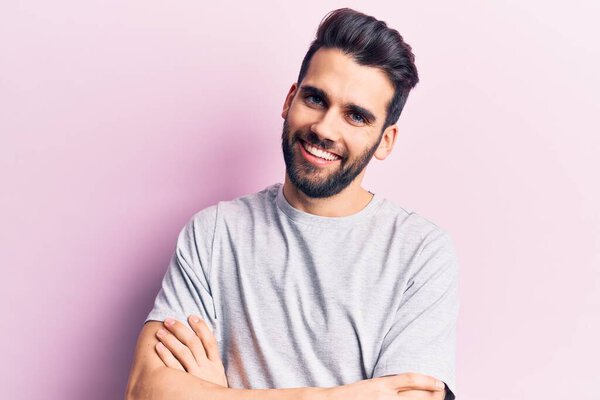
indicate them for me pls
(371, 43)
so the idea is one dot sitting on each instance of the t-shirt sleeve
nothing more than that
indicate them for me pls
(186, 287)
(422, 337)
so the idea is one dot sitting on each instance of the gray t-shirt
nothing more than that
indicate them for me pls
(297, 299)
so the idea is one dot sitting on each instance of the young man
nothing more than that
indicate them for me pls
(316, 288)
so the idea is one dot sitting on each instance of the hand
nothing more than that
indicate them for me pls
(194, 351)
(406, 386)
(421, 394)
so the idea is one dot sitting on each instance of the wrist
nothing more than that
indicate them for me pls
(297, 393)
(315, 393)
(330, 393)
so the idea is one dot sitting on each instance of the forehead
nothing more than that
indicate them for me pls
(346, 81)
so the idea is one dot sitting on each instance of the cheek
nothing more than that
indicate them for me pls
(357, 146)
(301, 116)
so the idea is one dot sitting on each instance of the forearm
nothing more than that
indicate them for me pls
(299, 393)
(170, 384)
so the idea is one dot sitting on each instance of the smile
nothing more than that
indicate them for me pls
(317, 152)
(317, 156)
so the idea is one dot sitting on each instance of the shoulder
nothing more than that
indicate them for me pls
(429, 244)
(240, 207)
(248, 204)
(421, 229)
(202, 220)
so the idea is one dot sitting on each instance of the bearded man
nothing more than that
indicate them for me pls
(315, 288)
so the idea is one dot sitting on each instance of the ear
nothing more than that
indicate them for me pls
(288, 100)
(387, 142)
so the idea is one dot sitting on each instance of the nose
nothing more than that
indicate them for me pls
(327, 126)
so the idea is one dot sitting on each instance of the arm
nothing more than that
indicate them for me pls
(150, 378)
(422, 337)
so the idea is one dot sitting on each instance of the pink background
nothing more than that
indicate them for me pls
(119, 120)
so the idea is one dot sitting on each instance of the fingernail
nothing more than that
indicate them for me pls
(195, 319)
(169, 321)
(160, 346)
(440, 384)
(161, 332)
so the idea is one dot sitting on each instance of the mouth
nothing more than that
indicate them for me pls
(316, 155)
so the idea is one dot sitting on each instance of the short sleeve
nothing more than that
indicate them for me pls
(422, 337)
(186, 286)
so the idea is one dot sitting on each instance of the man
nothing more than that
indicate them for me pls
(316, 288)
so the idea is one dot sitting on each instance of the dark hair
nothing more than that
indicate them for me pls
(369, 42)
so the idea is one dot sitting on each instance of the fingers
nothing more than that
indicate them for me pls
(415, 381)
(419, 395)
(182, 343)
(167, 357)
(209, 341)
(188, 337)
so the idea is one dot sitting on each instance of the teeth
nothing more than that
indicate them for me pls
(319, 153)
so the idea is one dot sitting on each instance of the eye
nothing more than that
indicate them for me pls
(359, 118)
(311, 98)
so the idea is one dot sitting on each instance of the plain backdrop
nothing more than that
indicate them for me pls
(121, 119)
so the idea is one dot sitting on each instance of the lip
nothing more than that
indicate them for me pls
(313, 159)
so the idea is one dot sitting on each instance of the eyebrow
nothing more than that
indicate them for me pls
(311, 90)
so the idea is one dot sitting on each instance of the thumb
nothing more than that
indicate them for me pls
(415, 381)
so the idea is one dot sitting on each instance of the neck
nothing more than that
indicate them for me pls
(347, 202)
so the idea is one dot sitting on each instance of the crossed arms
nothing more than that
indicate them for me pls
(184, 364)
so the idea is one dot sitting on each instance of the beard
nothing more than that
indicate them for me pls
(309, 178)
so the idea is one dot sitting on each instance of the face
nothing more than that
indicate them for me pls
(333, 124)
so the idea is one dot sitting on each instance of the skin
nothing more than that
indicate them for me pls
(196, 352)
(184, 363)
(337, 129)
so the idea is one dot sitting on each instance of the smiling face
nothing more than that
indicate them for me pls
(333, 123)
